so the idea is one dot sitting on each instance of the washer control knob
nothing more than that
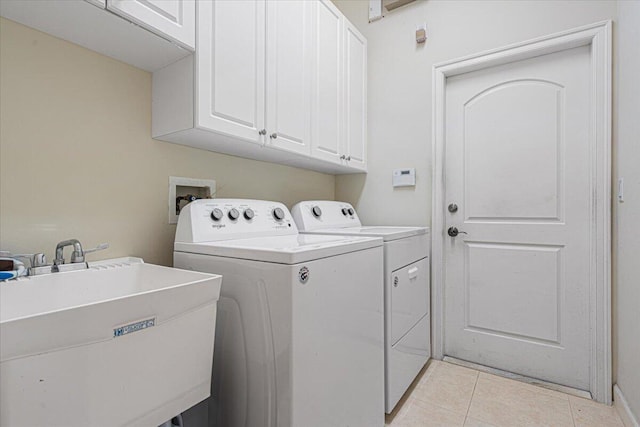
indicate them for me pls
(278, 214)
(316, 211)
(351, 211)
(248, 214)
(345, 211)
(216, 214)
(233, 214)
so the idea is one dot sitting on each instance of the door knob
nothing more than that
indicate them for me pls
(453, 208)
(453, 232)
(262, 132)
(273, 135)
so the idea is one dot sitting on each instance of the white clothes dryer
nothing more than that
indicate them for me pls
(406, 285)
(299, 338)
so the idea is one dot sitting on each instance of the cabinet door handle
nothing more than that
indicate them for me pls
(273, 135)
(348, 158)
(262, 132)
(343, 157)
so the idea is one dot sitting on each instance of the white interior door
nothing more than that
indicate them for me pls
(517, 165)
(231, 67)
(289, 47)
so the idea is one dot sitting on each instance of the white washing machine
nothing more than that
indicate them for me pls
(299, 339)
(406, 284)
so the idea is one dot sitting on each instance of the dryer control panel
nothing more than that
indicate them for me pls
(322, 214)
(210, 220)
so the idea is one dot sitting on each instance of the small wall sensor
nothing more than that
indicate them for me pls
(421, 34)
(404, 177)
(621, 190)
(375, 10)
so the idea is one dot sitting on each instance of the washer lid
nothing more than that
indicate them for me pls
(386, 233)
(292, 249)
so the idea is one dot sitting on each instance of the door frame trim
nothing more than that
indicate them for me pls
(599, 37)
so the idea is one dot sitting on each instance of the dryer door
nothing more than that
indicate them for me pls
(409, 297)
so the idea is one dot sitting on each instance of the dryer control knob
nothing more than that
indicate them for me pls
(345, 211)
(278, 214)
(216, 214)
(316, 211)
(248, 214)
(351, 211)
(233, 214)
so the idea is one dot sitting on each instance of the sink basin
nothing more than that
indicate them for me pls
(115, 345)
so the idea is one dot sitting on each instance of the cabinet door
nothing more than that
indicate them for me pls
(327, 99)
(230, 68)
(172, 19)
(355, 97)
(289, 46)
(409, 297)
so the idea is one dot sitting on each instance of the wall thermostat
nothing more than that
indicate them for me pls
(404, 177)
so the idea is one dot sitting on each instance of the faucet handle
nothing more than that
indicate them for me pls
(38, 260)
(80, 258)
(35, 260)
(100, 247)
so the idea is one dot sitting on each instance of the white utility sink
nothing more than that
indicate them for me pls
(120, 344)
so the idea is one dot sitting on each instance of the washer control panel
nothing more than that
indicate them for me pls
(208, 220)
(323, 214)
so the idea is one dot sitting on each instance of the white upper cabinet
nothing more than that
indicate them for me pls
(268, 82)
(173, 19)
(284, 81)
(289, 66)
(355, 97)
(230, 68)
(147, 45)
(327, 101)
(339, 94)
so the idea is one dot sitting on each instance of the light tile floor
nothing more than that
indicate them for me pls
(451, 395)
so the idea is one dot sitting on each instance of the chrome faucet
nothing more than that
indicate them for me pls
(38, 262)
(76, 256)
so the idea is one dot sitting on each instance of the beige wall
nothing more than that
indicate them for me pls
(627, 214)
(77, 158)
(400, 85)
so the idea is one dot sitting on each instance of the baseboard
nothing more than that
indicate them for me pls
(623, 409)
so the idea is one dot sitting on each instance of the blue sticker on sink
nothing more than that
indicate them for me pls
(134, 327)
